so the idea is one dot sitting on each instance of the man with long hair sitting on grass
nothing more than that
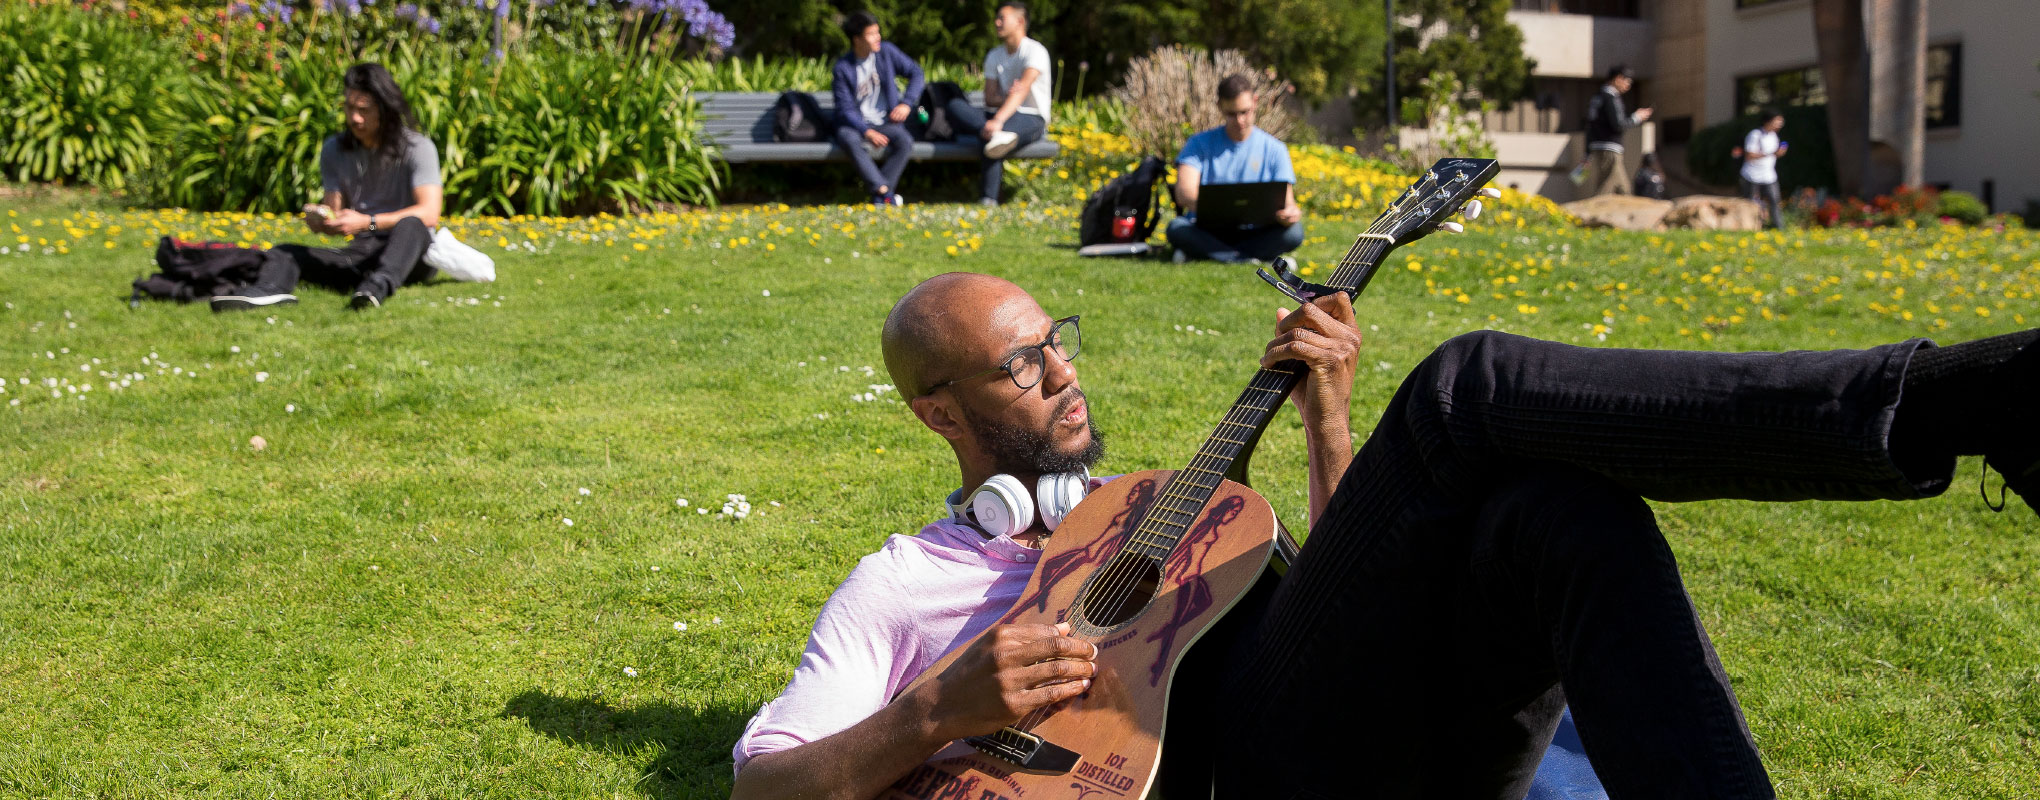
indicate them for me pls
(382, 188)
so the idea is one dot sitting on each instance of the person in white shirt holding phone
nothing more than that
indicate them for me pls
(1760, 152)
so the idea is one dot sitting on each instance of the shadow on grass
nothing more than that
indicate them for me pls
(692, 746)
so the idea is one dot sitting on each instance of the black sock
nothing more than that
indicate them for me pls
(1952, 401)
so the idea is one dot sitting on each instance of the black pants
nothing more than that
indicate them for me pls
(970, 121)
(383, 260)
(1487, 558)
(1198, 243)
(899, 147)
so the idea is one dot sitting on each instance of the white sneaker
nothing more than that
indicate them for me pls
(1001, 144)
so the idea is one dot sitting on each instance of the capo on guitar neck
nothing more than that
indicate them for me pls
(1294, 286)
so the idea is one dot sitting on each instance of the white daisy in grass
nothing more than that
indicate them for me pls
(568, 522)
(630, 672)
(680, 626)
(584, 491)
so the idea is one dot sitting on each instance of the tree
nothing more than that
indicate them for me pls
(1323, 47)
(1840, 39)
(1470, 40)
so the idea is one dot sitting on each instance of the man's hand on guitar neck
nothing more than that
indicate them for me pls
(1324, 336)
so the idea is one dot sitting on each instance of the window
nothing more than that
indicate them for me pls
(1599, 8)
(1793, 87)
(1944, 85)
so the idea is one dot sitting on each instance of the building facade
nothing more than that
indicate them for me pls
(1962, 91)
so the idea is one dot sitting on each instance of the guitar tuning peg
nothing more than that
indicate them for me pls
(1471, 210)
(1491, 193)
(1452, 227)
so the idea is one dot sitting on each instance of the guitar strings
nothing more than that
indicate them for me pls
(1121, 576)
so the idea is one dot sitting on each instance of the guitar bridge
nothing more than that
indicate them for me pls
(1025, 750)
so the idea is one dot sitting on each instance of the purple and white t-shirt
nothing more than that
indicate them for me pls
(902, 609)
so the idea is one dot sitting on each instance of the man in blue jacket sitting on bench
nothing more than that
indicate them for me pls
(871, 110)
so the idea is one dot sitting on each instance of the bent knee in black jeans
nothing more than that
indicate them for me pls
(393, 256)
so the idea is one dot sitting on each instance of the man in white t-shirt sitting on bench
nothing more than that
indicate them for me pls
(1016, 96)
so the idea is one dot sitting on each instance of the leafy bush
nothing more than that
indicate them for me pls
(799, 74)
(1963, 207)
(79, 95)
(1810, 164)
(549, 131)
(1172, 93)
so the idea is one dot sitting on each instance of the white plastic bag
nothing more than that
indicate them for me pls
(459, 261)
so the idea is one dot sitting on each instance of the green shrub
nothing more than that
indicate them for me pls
(1963, 207)
(547, 131)
(1810, 164)
(799, 74)
(80, 94)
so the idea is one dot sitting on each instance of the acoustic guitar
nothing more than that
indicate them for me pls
(1146, 564)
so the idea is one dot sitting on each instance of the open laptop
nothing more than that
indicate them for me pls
(1234, 207)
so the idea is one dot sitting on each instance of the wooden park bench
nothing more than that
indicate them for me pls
(739, 124)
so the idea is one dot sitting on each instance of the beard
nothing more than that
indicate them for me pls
(1016, 449)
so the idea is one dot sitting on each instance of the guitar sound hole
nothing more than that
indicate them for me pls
(1122, 590)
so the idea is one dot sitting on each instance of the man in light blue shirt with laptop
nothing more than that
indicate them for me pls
(1235, 153)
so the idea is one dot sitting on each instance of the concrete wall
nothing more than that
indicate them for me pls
(1581, 46)
(2000, 109)
(2000, 112)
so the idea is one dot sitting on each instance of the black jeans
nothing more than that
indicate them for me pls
(385, 259)
(1198, 243)
(1487, 558)
(898, 148)
(969, 120)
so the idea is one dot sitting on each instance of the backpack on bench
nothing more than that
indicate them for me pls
(796, 117)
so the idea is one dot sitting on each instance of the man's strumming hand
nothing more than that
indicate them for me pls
(1008, 673)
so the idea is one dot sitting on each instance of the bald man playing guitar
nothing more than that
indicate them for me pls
(1484, 559)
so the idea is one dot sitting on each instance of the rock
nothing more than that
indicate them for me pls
(1715, 213)
(1622, 211)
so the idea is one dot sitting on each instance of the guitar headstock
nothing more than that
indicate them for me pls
(1445, 189)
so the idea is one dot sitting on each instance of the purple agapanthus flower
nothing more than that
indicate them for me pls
(432, 26)
(281, 11)
(239, 10)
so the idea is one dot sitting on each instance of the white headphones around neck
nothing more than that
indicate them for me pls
(1002, 507)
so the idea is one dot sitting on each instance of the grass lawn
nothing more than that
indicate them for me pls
(389, 599)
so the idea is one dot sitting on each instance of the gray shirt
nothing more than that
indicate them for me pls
(372, 185)
(867, 91)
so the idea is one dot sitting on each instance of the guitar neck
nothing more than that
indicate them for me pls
(1179, 502)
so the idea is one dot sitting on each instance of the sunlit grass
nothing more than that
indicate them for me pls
(386, 598)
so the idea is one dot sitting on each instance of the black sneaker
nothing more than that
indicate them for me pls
(369, 294)
(2017, 455)
(248, 297)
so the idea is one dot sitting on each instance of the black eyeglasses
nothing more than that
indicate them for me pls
(1027, 366)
